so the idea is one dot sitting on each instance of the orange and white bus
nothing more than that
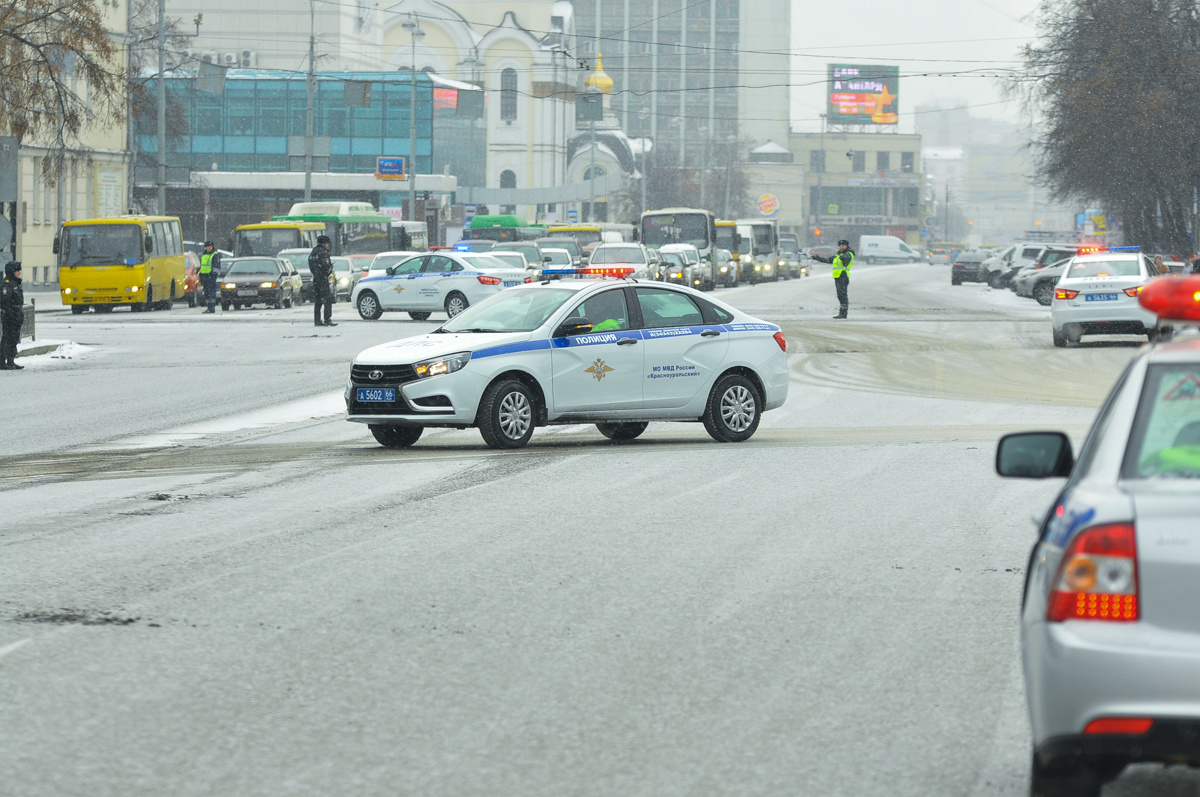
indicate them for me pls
(130, 261)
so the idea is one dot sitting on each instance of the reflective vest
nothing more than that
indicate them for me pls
(206, 262)
(842, 261)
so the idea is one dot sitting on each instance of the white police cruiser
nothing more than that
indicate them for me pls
(614, 352)
(434, 282)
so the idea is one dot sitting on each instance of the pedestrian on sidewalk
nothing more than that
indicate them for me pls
(12, 316)
(842, 262)
(320, 265)
(210, 271)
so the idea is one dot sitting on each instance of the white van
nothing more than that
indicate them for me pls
(885, 249)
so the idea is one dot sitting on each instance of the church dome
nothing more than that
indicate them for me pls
(599, 79)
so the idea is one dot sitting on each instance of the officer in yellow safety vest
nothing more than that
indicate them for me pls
(210, 269)
(842, 262)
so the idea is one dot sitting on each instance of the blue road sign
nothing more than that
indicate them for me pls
(390, 169)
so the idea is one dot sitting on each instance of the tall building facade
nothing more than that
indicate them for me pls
(693, 77)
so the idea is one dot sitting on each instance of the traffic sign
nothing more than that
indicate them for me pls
(390, 169)
(573, 216)
(469, 211)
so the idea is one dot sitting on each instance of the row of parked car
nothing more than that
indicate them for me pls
(1090, 290)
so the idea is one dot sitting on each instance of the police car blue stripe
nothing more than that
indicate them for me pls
(605, 338)
(512, 348)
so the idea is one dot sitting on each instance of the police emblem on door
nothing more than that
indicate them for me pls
(598, 369)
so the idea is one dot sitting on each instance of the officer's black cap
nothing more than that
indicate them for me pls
(12, 268)
(322, 239)
(843, 242)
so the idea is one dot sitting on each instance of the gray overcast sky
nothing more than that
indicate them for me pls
(919, 36)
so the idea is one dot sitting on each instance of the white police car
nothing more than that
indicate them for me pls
(617, 353)
(437, 281)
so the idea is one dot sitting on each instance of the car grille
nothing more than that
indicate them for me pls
(392, 375)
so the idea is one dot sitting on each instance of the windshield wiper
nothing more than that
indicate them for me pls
(480, 329)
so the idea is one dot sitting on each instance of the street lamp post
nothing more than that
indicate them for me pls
(411, 25)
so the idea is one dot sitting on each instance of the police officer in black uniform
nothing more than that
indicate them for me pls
(320, 265)
(12, 316)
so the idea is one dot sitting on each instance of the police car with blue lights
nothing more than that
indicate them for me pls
(618, 353)
(441, 281)
(1109, 624)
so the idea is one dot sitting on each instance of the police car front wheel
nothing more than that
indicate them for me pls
(734, 409)
(622, 431)
(368, 306)
(506, 414)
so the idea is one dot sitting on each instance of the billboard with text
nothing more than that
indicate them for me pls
(863, 94)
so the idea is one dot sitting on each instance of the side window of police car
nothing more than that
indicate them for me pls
(662, 308)
(607, 311)
(438, 264)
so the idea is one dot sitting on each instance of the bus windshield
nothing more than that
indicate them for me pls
(764, 240)
(101, 244)
(266, 241)
(677, 228)
(725, 238)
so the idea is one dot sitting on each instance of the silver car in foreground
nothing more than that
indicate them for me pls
(1110, 623)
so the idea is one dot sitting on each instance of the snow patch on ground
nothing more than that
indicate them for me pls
(67, 350)
(313, 407)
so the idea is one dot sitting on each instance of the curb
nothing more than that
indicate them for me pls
(35, 350)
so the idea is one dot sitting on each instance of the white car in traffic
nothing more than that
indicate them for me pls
(612, 352)
(1097, 294)
(445, 281)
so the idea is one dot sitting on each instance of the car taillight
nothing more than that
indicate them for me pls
(1129, 725)
(781, 340)
(1065, 293)
(1134, 291)
(1097, 578)
(489, 280)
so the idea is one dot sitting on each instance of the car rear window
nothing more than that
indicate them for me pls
(1127, 267)
(1166, 433)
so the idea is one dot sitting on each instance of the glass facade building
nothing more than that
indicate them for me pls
(246, 128)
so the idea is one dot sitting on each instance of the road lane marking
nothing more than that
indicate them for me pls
(4, 651)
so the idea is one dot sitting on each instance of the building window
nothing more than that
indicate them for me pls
(816, 160)
(508, 95)
(508, 179)
(883, 161)
(906, 162)
(858, 161)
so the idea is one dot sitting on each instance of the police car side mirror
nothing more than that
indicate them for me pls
(1035, 455)
(573, 326)
(390, 270)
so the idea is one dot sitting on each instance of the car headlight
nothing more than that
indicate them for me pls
(344, 281)
(229, 285)
(724, 269)
(745, 258)
(442, 365)
(783, 262)
(266, 285)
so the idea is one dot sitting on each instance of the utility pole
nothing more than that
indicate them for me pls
(592, 182)
(413, 27)
(310, 85)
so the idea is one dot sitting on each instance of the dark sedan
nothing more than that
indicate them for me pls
(968, 268)
(256, 280)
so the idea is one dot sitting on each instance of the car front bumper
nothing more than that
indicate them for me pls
(261, 295)
(447, 400)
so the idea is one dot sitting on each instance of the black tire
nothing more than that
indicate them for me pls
(1063, 781)
(995, 280)
(191, 299)
(1060, 340)
(507, 414)
(288, 302)
(78, 309)
(224, 305)
(1043, 293)
(955, 280)
(622, 431)
(870, 261)
(456, 303)
(733, 410)
(419, 316)
(396, 436)
(368, 306)
(238, 305)
(279, 301)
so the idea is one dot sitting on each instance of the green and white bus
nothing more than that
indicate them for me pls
(354, 228)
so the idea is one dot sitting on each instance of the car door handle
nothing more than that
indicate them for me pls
(710, 333)
(626, 341)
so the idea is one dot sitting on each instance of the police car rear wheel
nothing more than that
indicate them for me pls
(397, 436)
(419, 316)
(368, 306)
(622, 431)
(733, 409)
(506, 415)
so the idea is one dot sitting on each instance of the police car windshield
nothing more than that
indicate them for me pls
(512, 310)
(486, 261)
(1106, 267)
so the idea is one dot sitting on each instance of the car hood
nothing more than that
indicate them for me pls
(424, 347)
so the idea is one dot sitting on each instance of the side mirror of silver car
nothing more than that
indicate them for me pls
(1035, 455)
